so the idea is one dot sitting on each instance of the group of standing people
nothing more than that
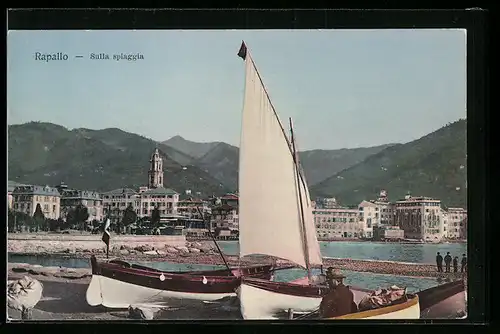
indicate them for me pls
(447, 262)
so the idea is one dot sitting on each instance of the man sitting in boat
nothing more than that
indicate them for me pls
(340, 299)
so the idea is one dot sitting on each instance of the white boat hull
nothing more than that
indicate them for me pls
(113, 293)
(258, 303)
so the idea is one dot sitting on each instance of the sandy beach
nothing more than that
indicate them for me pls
(64, 292)
(64, 299)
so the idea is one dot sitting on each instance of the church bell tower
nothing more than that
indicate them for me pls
(155, 173)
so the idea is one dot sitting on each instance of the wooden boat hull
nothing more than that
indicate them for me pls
(118, 284)
(407, 310)
(261, 299)
(447, 301)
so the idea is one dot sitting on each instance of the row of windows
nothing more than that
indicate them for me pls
(342, 228)
(143, 211)
(45, 207)
(74, 202)
(118, 197)
(24, 198)
(335, 220)
(418, 204)
(341, 214)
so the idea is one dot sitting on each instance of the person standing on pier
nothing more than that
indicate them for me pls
(464, 263)
(455, 264)
(447, 261)
(439, 262)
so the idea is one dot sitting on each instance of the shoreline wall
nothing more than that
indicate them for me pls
(76, 243)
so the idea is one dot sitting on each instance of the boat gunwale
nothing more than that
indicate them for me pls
(152, 272)
(206, 284)
(286, 288)
(412, 301)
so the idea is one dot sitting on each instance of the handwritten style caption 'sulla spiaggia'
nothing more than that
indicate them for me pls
(60, 56)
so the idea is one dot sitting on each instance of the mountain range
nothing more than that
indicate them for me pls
(221, 160)
(45, 153)
(102, 160)
(434, 165)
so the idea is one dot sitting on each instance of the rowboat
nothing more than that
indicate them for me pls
(445, 301)
(119, 284)
(408, 309)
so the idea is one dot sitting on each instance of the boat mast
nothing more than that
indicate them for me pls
(243, 54)
(213, 238)
(297, 169)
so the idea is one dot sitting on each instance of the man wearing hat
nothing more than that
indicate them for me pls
(340, 299)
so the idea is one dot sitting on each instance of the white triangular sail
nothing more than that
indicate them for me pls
(270, 220)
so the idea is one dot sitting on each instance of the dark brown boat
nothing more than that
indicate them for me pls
(118, 284)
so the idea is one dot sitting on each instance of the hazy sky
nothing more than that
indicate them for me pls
(343, 88)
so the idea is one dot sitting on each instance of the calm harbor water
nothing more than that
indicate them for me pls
(415, 253)
(364, 280)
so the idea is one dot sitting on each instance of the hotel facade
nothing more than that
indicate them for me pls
(25, 198)
(71, 198)
(456, 223)
(338, 223)
(420, 218)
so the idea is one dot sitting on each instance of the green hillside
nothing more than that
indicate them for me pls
(434, 165)
(45, 153)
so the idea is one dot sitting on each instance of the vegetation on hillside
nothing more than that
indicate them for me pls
(190, 148)
(221, 160)
(434, 165)
(102, 160)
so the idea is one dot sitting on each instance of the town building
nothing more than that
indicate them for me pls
(457, 224)
(420, 218)
(10, 189)
(325, 203)
(385, 209)
(25, 198)
(145, 199)
(191, 208)
(224, 221)
(388, 233)
(115, 202)
(337, 223)
(369, 216)
(444, 223)
(71, 198)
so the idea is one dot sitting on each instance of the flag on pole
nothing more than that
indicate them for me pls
(243, 51)
(106, 236)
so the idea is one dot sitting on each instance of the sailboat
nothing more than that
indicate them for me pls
(275, 211)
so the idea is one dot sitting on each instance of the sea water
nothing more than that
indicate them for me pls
(359, 279)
